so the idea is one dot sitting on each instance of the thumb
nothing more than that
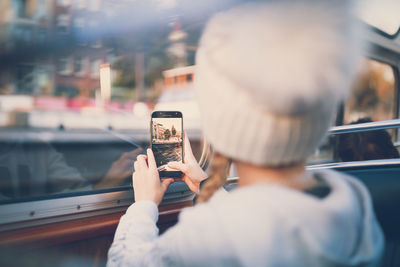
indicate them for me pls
(165, 183)
(178, 166)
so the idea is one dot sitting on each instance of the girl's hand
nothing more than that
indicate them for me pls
(146, 180)
(193, 173)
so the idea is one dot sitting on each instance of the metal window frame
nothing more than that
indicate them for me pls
(340, 165)
(33, 213)
(363, 127)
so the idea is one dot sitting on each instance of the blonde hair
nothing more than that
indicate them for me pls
(219, 168)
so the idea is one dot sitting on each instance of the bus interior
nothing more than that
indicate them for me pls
(78, 82)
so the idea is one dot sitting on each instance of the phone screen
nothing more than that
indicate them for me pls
(167, 140)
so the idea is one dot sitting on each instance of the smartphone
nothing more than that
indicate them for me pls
(166, 129)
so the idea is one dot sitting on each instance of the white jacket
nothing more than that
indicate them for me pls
(258, 225)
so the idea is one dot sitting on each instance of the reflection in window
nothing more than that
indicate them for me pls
(28, 169)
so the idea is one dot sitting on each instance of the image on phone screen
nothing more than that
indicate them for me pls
(167, 141)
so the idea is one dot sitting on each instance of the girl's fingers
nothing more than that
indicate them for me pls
(151, 160)
(178, 166)
(141, 161)
(165, 183)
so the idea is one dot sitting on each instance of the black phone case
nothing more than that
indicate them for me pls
(167, 174)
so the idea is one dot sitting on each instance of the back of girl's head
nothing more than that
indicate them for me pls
(270, 75)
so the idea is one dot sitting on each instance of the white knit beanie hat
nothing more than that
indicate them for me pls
(270, 76)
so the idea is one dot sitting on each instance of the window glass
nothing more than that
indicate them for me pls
(65, 126)
(372, 98)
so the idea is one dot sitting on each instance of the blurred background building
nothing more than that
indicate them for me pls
(31, 25)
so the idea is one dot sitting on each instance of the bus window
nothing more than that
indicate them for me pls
(372, 99)
(77, 86)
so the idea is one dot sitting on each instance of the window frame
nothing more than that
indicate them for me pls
(381, 32)
(40, 212)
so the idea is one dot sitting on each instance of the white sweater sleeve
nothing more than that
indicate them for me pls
(136, 241)
(135, 236)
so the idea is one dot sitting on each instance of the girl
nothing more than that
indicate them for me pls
(269, 77)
